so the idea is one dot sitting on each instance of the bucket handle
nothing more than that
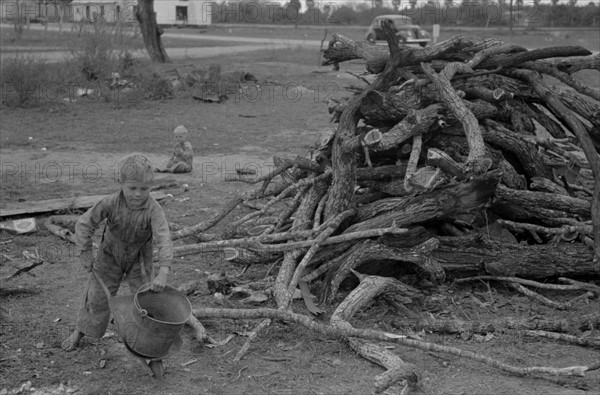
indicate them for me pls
(142, 312)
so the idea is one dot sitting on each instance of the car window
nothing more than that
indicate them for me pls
(378, 22)
(397, 20)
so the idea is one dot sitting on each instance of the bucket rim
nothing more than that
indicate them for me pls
(142, 312)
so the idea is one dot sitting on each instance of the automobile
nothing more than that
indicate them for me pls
(407, 32)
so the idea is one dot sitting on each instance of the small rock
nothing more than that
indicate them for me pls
(336, 362)
(3, 391)
(102, 363)
(219, 296)
(43, 148)
(39, 345)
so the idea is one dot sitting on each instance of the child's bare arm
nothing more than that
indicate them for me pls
(87, 225)
(185, 153)
(161, 236)
(188, 152)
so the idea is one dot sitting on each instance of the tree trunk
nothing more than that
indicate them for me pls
(150, 31)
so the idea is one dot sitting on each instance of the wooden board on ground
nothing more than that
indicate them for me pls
(48, 206)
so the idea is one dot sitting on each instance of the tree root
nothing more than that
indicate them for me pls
(469, 327)
(536, 296)
(368, 334)
(572, 286)
(580, 341)
(368, 289)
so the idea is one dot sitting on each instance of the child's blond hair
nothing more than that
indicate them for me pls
(135, 167)
(180, 130)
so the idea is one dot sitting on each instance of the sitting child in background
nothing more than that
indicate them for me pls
(183, 155)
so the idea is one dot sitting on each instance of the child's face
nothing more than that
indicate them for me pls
(136, 192)
(179, 138)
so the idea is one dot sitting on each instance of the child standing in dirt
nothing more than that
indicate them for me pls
(135, 223)
(183, 154)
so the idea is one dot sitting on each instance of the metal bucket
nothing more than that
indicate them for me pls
(158, 318)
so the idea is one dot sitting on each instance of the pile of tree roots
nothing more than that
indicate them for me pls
(456, 160)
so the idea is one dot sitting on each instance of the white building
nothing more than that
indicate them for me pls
(182, 12)
(108, 10)
(168, 12)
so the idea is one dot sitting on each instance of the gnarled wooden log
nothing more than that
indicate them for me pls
(586, 143)
(563, 77)
(575, 64)
(477, 159)
(370, 251)
(530, 202)
(525, 152)
(388, 173)
(368, 289)
(511, 60)
(475, 255)
(418, 122)
(458, 198)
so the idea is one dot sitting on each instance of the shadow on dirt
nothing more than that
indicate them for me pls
(17, 292)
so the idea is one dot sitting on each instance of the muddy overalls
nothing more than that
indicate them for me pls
(125, 251)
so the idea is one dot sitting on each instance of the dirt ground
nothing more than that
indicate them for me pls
(65, 149)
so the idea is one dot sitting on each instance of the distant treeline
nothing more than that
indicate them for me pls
(465, 13)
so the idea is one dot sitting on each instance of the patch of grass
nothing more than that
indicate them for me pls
(102, 60)
(28, 80)
(38, 39)
(13, 187)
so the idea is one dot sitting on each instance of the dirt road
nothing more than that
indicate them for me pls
(174, 53)
(249, 44)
